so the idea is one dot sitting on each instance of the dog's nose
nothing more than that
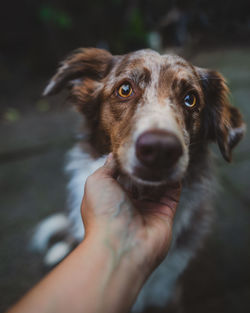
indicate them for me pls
(158, 149)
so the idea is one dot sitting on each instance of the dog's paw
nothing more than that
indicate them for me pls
(48, 228)
(53, 238)
(56, 253)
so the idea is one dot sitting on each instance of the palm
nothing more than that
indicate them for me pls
(129, 223)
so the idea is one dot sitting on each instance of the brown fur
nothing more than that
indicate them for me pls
(156, 105)
(93, 77)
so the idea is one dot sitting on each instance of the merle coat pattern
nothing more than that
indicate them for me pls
(158, 104)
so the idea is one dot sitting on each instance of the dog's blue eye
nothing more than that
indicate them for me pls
(190, 100)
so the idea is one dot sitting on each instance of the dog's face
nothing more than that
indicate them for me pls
(149, 109)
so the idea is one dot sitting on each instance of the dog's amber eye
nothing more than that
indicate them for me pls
(125, 90)
(190, 100)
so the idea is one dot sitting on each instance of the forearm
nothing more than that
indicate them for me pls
(91, 279)
(125, 241)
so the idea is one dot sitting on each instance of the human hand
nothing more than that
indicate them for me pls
(138, 231)
(125, 240)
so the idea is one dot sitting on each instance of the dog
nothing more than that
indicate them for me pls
(157, 114)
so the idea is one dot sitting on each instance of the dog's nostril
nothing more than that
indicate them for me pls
(146, 153)
(158, 148)
(147, 150)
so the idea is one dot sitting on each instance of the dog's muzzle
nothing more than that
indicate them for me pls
(157, 151)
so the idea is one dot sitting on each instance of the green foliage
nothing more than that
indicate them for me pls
(60, 18)
(131, 33)
(42, 106)
(136, 27)
(55, 27)
(11, 115)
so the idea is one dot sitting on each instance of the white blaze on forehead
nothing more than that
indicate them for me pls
(151, 91)
(151, 116)
(155, 115)
(152, 112)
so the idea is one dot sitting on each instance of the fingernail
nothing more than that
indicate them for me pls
(110, 157)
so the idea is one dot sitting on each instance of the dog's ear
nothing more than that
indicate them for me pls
(90, 63)
(221, 121)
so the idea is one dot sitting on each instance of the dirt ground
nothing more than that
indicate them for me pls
(32, 186)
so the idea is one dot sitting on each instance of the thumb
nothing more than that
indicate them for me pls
(109, 169)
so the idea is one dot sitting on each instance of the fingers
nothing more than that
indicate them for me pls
(171, 195)
(166, 205)
(109, 169)
(148, 207)
(109, 166)
(170, 199)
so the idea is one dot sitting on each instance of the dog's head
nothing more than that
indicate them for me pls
(149, 109)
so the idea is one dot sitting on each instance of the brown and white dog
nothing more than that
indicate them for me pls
(157, 114)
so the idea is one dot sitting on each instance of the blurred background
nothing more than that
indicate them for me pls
(35, 133)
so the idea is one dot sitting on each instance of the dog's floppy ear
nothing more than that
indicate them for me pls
(221, 121)
(92, 63)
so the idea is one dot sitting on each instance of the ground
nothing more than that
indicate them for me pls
(32, 186)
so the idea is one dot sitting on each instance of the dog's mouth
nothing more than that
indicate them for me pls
(158, 157)
(150, 176)
(154, 176)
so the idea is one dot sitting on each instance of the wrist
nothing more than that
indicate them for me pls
(123, 246)
(119, 274)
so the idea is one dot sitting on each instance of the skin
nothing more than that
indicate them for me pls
(125, 241)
